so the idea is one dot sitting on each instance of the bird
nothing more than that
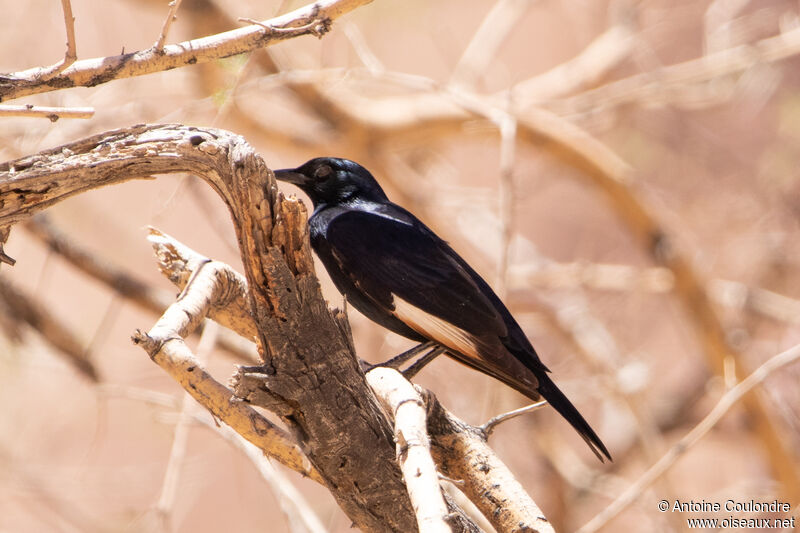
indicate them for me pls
(397, 272)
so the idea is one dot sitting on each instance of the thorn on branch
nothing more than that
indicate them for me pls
(4, 258)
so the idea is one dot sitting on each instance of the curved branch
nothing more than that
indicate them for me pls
(331, 405)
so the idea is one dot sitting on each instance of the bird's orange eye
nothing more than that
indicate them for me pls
(323, 172)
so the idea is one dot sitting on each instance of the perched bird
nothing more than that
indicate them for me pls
(400, 274)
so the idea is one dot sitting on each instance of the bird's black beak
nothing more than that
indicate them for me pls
(290, 175)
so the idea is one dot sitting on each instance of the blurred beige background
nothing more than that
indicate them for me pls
(713, 148)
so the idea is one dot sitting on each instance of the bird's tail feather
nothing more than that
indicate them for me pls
(556, 398)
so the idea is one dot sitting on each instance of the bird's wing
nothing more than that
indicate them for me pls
(431, 288)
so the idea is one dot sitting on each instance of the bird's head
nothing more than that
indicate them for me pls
(331, 181)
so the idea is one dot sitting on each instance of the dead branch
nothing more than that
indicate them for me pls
(462, 453)
(180, 264)
(49, 112)
(406, 408)
(312, 19)
(497, 24)
(164, 343)
(45, 73)
(171, 17)
(329, 403)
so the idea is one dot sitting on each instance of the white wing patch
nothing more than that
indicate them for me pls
(436, 328)
(468, 348)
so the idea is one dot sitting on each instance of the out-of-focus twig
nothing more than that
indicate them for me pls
(656, 280)
(605, 52)
(495, 27)
(508, 142)
(180, 437)
(666, 84)
(729, 399)
(294, 504)
(25, 308)
(291, 500)
(124, 283)
(171, 17)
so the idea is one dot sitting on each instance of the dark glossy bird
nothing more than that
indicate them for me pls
(400, 274)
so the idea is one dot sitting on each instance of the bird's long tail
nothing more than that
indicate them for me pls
(556, 398)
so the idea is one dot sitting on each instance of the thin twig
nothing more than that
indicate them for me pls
(180, 437)
(53, 113)
(294, 505)
(491, 424)
(724, 404)
(482, 49)
(70, 55)
(171, 17)
(508, 142)
(124, 283)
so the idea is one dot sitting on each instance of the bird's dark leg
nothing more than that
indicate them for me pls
(420, 363)
(398, 360)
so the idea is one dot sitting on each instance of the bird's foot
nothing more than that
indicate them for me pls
(432, 348)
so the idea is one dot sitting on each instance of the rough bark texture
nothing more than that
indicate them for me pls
(309, 361)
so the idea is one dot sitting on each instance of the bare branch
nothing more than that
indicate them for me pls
(493, 422)
(605, 52)
(43, 74)
(285, 300)
(497, 24)
(462, 454)
(92, 72)
(164, 343)
(53, 113)
(667, 84)
(401, 400)
(171, 17)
